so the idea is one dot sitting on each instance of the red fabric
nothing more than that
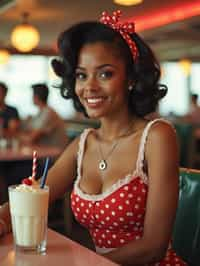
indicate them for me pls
(117, 218)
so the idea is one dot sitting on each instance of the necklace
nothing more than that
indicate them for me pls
(103, 161)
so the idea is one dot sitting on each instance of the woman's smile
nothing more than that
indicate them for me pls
(95, 102)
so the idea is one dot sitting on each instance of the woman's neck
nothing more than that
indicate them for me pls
(110, 130)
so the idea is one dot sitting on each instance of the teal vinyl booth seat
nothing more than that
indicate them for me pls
(186, 235)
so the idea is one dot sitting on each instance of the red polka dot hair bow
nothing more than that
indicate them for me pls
(123, 28)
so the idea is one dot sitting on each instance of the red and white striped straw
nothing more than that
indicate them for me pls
(34, 167)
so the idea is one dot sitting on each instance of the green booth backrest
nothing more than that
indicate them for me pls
(184, 133)
(186, 236)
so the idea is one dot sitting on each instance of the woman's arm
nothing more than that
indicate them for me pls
(63, 172)
(161, 156)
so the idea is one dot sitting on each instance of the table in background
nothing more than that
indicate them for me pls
(60, 251)
(26, 153)
(16, 164)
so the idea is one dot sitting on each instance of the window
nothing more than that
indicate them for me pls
(177, 99)
(23, 71)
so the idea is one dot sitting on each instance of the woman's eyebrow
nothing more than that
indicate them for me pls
(98, 67)
(105, 65)
(80, 68)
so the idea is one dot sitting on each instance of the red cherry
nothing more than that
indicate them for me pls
(27, 181)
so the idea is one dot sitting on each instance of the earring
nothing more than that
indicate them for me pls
(130, 87)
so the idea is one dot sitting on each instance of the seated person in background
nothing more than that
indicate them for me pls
(9, 117)
(193, 116)
(47, 127)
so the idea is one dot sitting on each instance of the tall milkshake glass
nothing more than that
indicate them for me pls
(29, 215)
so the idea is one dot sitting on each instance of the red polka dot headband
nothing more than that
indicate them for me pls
(123, 28)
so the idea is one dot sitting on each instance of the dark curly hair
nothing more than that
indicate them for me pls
(144, 71)
(41, 90)
(3, 87)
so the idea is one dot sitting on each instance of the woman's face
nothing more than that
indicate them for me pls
(101, 80)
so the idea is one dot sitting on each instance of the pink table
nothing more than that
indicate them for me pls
(60, 251)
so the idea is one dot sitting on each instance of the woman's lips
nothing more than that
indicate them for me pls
(94, 102)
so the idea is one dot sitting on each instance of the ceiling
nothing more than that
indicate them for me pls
(174, 41)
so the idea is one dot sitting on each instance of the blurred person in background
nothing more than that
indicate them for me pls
(194, 103)
(193, 116)
(47, 127)
(9, 125)
(9, 117)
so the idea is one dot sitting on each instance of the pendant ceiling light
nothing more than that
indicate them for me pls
(128, 2)
(185, 65)
(25, 37)
(4, 56)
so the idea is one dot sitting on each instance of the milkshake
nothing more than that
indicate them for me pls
(29, 212)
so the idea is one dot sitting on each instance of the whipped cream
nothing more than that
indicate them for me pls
(27, 188)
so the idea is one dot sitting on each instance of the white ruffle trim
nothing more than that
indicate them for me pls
(121, 182)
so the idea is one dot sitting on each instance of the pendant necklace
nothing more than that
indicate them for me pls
(103, 162)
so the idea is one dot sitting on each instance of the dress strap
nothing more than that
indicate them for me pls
(141, 153)
(81, 149)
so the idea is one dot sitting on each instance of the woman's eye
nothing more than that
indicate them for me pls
(80, 76)
(106, 74)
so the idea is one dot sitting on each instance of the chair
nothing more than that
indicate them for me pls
(194, 150)
(185, 137)
(188, 144)
(186, 235)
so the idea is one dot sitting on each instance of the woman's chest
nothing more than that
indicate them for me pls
(121, 207)
(120, 163)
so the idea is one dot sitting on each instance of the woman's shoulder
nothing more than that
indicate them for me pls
(161, 130)
(161, 124)
(162, 146)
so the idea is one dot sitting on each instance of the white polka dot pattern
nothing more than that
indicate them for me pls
(118, 218)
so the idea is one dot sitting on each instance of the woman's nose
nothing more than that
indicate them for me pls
(92, 84)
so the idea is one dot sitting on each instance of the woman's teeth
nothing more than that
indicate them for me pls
(94, 100)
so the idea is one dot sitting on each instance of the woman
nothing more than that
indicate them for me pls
(126, 173)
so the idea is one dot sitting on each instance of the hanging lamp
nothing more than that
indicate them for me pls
(4, 56)
(185, 65)
(127, 2)
(25, 37)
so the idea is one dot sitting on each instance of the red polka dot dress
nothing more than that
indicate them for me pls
(116, 216)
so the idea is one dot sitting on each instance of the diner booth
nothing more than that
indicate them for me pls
(172, 36)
